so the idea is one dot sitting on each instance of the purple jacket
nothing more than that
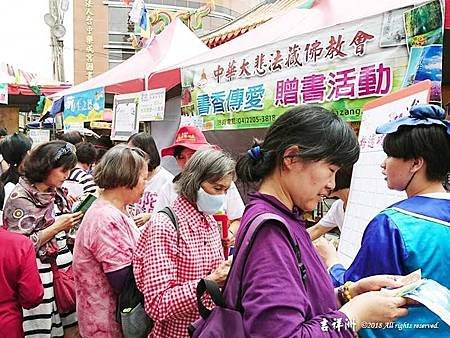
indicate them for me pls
(276, 303)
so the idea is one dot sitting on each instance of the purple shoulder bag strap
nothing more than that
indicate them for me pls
(226, 317)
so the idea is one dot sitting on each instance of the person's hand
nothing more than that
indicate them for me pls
(326, 251)
(141, 219)
(72, 199)
(220, 274)
(67, 221)
(229, 241)
(373, 309)
(374, 283)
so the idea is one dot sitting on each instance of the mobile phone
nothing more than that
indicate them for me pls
(85, 204)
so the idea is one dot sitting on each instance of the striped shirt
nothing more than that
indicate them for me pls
(44, 320)
(85, 180)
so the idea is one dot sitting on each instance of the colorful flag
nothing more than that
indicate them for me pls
(145, 25)
(47, 106)
(136, 11)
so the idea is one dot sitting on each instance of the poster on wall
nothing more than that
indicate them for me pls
(125, 116)
(151, 105)
(84, 106)
(75, 126)
(341, 68)
(39, 136)
(369, 193)
(3, 93)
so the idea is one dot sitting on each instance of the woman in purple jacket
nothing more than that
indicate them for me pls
(294, 167)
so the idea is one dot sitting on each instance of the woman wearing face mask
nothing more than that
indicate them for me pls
(169, 263)
(414, 233)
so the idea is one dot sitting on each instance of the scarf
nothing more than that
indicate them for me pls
(29, 211)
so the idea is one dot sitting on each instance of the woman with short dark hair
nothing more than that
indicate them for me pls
(30, 210)
(106, 240)
(157, 177)
(414, 233)
(14, 149)
(294, 167)
(169, 261)
(80, 182)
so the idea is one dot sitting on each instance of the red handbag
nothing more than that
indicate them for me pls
(64, 289)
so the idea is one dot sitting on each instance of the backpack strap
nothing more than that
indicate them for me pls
(245, 245)
(171, 214)
(237, 268)
(214, 292)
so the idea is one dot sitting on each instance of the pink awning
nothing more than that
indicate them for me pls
(174, 45)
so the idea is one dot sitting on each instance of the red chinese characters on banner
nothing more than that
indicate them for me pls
(374, 80)
(335, 47)
(313, 88)
(218, 72)
(293, 58)
(287, 92)
(244, 69)
(294, 55)
(350, 83)
(260, 65)
(277, 62)
(342, 84)
(313, 51)
(359, 41)
(231, 70)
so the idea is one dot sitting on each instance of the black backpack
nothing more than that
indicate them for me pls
(130, 311)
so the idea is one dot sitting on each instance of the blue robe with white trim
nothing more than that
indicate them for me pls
(411, 234)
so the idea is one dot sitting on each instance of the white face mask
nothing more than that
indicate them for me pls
(209, 204)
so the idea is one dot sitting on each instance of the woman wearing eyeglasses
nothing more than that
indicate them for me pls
(38, 208)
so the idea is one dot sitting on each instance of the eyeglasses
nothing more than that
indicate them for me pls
(68, 148)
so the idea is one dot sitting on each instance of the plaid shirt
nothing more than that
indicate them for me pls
(168, 265)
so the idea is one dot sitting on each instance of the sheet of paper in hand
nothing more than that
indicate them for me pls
(430, 293)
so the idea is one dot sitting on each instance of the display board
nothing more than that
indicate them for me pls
(369, 193)
(125, 116)
(340, 68)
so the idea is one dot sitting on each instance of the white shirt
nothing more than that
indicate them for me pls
(233, 207)
(9, 187)
(161, 177)
(153, 189)
(438, 195)
(335, 216)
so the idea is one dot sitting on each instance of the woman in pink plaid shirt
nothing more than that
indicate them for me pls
(169, 263)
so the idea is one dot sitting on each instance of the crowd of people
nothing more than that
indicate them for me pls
(62, 269)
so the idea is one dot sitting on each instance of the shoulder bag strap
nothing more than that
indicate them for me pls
(171, 214)
(244, 247)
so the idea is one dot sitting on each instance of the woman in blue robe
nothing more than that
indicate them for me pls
(414, 233)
